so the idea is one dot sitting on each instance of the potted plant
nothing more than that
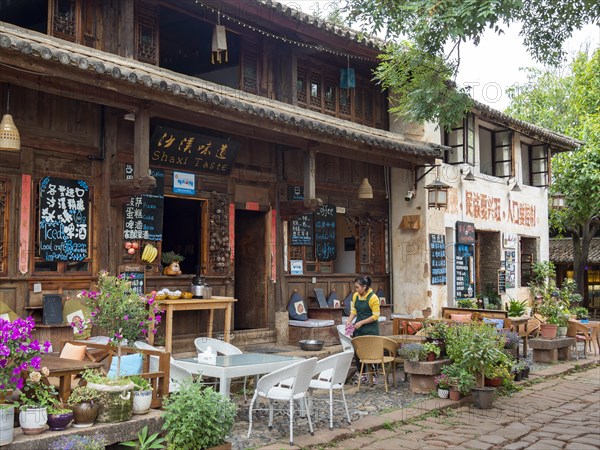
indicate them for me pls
(511, 341)
(126, 316)
(142, 394)
(517, 370)
(412, 352)
(442, 382)
(172, 260)
(19, 353)
(197, 417)
(59, 416)
(495, 375)
(84, 403)
(431, 350)
(516, 308)
(36, 396)
(460, 381)
(581, 313)
(469, 303)
(437, 332)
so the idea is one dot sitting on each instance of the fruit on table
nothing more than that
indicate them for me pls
(150, 253)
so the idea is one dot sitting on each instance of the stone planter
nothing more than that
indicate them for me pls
(422, 374)
(33, 420)
(7, 424)
(116, 402)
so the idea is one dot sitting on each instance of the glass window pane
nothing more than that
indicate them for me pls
(502, 169)
(503, 153)
(455, 137)
(538, 151)
(503, 138)
(454, 155)
(538, 166)
(539, 179)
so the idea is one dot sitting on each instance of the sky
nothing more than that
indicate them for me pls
(492, 66)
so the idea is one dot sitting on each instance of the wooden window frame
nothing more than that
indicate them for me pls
(86, 22)
(546, 163)
(495, 159)
(526, 269)
(467, 131)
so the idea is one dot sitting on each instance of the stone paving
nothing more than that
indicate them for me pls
(551, 413)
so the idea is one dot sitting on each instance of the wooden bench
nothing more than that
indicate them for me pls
(159, 379)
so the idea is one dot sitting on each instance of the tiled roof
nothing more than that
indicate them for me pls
(559, 141)
(561, 251)
(113, 67)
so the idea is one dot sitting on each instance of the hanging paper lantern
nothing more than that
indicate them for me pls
(347, 78)
(219, 44)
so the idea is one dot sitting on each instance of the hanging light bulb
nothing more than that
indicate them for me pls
(10, 140)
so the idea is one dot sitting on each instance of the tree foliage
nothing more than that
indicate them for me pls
(570, 104)
(432, 26)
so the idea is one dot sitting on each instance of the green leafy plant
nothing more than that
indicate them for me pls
(580, 312)
(171, 257)
(436, 330)
(430, 347)
(412, 352)
(141, 383)
(36, 393)
(516, 308)
(494, 301)
(459, 378)
(97, 377)
(197, 417)
(82, 394)
(146, 441)
(467, 303)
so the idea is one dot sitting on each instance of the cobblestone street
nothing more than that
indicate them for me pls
(555, 413)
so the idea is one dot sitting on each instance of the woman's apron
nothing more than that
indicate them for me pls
(363, 311)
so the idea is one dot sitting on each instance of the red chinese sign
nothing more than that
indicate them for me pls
(486, 207)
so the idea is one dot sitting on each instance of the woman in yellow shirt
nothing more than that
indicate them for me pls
(365, 307)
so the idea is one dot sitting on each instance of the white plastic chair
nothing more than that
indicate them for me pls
(220, 348)
(287, 384)
(346, 341)
(331, 373)
(177, 374)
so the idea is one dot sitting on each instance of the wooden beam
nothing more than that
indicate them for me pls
(141, 144)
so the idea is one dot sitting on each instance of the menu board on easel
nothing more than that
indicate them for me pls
(325, 237)
(64, 210)
(136, 274)
(143, 215)
(463, 271)
(502, 282)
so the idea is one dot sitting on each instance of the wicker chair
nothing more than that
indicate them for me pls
(375, 351)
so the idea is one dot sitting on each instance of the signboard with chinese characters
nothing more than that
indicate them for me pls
(325, 239)
(64, 210)
(463, 271)
(194, 152)
(136, 275)
(143, 215)
(437, 247)
(302, 230)
(509, 258)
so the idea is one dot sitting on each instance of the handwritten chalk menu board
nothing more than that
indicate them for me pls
(52, 309)
(135, 274)
(509, 263)
(463, 267)
(143, 215)
(501, 281)
(193, 152)
(325, 240)
(64, 210)
(465, 233)
(302, 230)
(437, 247)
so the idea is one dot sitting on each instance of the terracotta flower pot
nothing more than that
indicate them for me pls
(548, 331)
(454, 394)
(493, 382)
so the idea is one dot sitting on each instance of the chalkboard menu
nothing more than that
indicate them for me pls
(135, 274)
(143, 215)
(465, 233)
(501, 281)
(509, 258)
(437, 247)
(183, 150)
(463, 265)
(325, 241)
(302, 230)
(52, 309)
(64, 209)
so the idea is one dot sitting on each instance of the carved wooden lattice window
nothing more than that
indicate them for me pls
(358, 105)
(3, 226)
(315, 92)
(371, 245)
(146, 33)
(368, 108)
(346, 96)
(330, 96)
(301, 83)
(63, 19)
(250, 67)
(218, 235)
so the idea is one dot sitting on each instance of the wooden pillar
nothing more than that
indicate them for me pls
(141, 143)
(309, 175)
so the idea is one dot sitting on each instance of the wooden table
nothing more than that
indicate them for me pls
(64, 369)
(194, 304)
(516, 324)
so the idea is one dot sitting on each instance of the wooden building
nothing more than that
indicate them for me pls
(144, 121)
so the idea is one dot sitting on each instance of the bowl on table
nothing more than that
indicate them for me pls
(311, 345)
